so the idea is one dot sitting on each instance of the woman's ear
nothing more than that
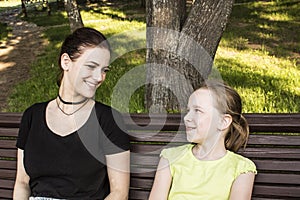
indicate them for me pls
(65, 61)
(225, 122)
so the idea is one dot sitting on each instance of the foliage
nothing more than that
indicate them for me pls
(258, 54)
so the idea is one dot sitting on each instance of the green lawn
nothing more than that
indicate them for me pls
(258, 54)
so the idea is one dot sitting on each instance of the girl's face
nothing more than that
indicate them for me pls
(202, 119)
(88, 72)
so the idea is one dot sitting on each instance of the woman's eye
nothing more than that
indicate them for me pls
(105, 70)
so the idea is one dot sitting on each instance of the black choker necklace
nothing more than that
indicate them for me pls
(71, 103)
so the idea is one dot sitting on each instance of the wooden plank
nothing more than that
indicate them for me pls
(278, 165)
(276, 178)
(257, 122)
(180, 136)
(7, 184)
(251, 152)
(276, 191)
(286, 140)
(8, 153)
(7, 174)
(271, 153)
(142, 183)
(7, 144)
(6, 194)
(8, 164)
(286, 166)
(9, 132)
(135, 194)
(10, 119)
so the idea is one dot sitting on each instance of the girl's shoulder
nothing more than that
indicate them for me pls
(172, 153)
(243, 164)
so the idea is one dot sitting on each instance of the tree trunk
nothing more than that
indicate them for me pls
(24, 11)
(143, 3)
(180, 50)
(73, 14)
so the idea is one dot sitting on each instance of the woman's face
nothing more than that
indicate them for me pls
(202, 119)
(88, 72)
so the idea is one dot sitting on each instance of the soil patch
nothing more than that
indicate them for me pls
(17, 53)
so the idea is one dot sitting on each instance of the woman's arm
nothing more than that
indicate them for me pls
(162, 181)
(118, 168)
(242, 187)
(21, 188)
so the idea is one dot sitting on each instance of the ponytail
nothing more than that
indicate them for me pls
(238, 134)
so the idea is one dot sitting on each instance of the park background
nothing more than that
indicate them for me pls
(259, 53)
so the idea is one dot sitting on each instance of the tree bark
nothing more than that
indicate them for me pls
(180, 50)
(74, 16)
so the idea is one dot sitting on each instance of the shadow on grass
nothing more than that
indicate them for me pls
(275, 89)
(131, 9)
(274, 28)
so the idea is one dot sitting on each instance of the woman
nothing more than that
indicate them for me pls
(209, 168)
(73, 147)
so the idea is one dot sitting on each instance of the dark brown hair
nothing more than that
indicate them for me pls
(228, 101)
(75, 44)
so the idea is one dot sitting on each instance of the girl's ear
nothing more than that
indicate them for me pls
(65, 61)
(225, 122)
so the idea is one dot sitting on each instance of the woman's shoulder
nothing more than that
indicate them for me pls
(36, 107)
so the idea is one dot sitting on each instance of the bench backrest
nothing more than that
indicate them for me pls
(274, 145)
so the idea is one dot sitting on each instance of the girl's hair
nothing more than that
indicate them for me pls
(228, 101)
(75, 44)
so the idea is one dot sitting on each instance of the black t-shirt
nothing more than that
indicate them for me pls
(73, 166)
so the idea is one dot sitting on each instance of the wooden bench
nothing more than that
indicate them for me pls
(276, 153)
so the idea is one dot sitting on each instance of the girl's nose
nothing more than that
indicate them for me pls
(187, 117)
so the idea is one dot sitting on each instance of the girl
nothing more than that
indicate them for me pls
(209, 167)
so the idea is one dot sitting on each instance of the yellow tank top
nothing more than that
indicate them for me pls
(194, 179)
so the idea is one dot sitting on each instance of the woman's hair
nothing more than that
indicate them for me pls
(76, 43)
(228, 101)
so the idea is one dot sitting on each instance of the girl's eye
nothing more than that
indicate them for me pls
(91, 66)
(198, 110)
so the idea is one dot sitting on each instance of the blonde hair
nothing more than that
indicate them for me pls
(228, 101)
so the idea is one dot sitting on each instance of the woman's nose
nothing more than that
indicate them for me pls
(98, 75)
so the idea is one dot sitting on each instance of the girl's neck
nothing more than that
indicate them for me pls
(211, 152)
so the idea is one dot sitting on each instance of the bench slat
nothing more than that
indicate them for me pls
(6, 194)
(9, 132)
(267, 164)
(8, 164)
(135, 194)
(7, 184)
(251, 152)
(7, 174)
(8, 153)
(254, 139)
(278, 191)
(8, 144)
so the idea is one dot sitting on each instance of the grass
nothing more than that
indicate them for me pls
(258, 54)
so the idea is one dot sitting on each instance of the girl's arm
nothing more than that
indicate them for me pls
(242, 187)
(118, 168)
(21, 188)
(162, 181)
